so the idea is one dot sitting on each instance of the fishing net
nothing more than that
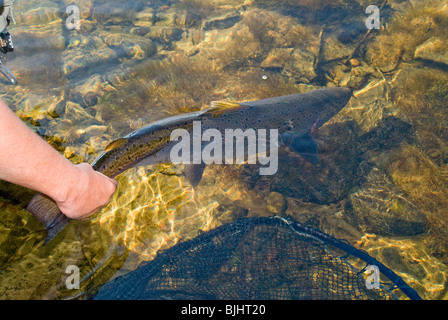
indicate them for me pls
(254, 259)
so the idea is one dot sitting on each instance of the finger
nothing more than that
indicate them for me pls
(115, 182)
(91, 213)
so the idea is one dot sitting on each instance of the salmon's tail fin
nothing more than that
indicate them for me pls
(47, 212)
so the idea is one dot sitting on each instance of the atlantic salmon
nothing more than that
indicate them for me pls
(294, 116)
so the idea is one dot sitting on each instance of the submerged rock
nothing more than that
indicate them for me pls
(360, 76)
(333, 48)
(222, 20)
(115, 12)
(277, 58)
(36, 38)
(301, 66)
(165, 33)
(76, 113)
(38, 69)
(134, 47)
(369, 107)
(372, 103)
(379, 207)
(144, 18)
(44, 14)
(434, 49)
(89, 53)
(276, 202)
(185, 18)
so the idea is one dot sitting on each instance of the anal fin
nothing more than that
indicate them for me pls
(193, 173)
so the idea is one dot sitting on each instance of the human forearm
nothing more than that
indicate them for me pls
(29, 161)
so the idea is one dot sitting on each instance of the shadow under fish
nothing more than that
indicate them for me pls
(295, 116)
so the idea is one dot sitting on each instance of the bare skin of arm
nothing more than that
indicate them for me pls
(27, 160)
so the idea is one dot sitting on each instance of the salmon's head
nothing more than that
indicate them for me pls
(333, 101)
(130, 150)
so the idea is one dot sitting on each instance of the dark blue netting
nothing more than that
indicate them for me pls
(256, 258)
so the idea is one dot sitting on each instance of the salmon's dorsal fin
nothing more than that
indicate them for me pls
(115, 144)
(217, 108)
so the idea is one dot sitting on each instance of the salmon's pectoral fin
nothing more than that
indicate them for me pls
(304, 145)
(193, 173)
(47, 212)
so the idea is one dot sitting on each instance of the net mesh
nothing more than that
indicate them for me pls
(254, 258)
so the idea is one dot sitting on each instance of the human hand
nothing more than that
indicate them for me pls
(91, 192)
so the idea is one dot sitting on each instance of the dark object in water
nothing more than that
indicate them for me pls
(5, 71)
(256, 258)
(6, 42)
